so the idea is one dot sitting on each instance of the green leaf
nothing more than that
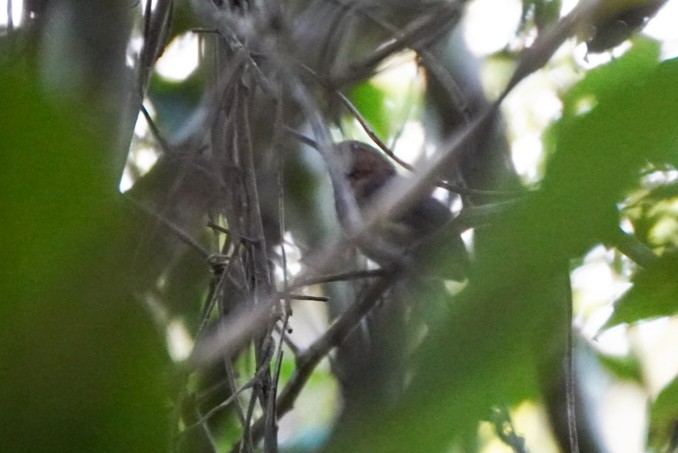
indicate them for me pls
(369, 100)
(626, 367)
(664, 419)
(653, 215)
(80, 362)
(654, 294)
(613, 79)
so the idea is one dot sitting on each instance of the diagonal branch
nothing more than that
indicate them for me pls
(333, 337)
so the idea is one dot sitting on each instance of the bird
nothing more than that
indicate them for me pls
(372, 365)
(368, 172)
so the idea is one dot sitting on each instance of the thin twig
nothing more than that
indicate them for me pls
(156, 19)
(288, 341)
(448, 83)
(481, 215)
(213, 296)
(245, 150)
(271, 411)
(154, 130)
(286, 296)
(224, 230)
(278, 134)
(247, 438)
(263, 279)
(633, 248)
(208, 433)
(368, 130)
(211, 301)
(224, 404)
(333, 337)
(192, 134)
(535, 57)
(232, 386)
(345, 276)
(181, 234)
(423, 27)
(10, 18)
(301, 137)
(569, 368)
(229, 29)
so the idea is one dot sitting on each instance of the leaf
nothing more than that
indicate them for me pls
(654, 294)
(664, 418)
(626, 367)
(80, 362)
(369, 100)
(612, 79)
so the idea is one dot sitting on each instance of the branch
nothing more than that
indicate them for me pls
(633, 248)
(333, 337)
(423, 28)
(176, 230)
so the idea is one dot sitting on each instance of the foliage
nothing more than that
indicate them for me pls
(88, 271)
(83, 368)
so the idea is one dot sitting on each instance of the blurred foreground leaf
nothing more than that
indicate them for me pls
(615, 78)
(624, 368)
(664, 419)
(654, 294)
(79, 361)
